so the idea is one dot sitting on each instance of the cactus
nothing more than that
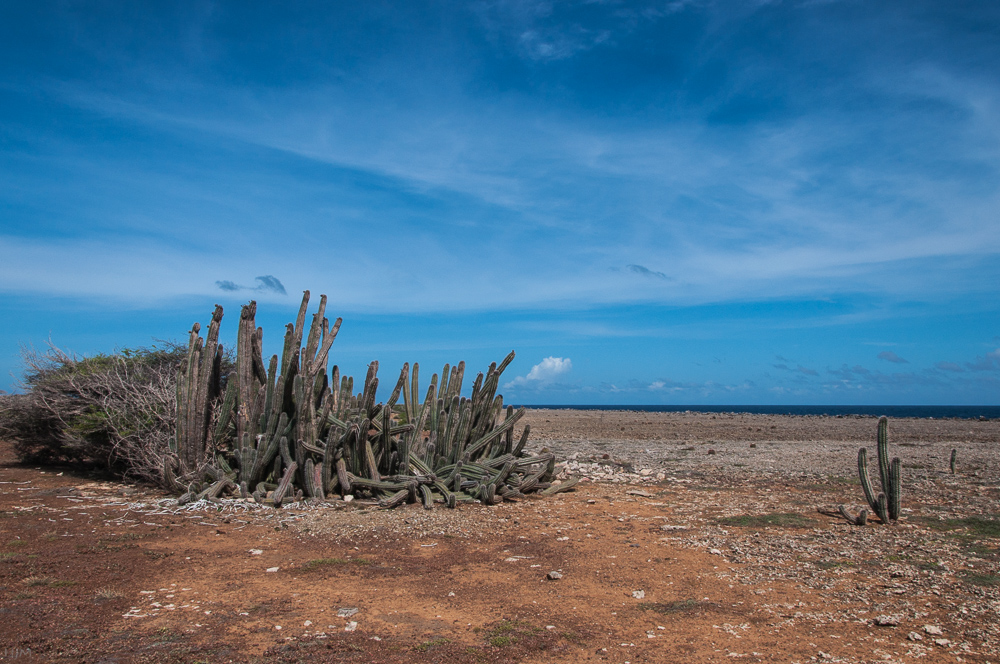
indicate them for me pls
(198, 387)
(859, 520)
(293, 429)
(886, 504)
(954, 457)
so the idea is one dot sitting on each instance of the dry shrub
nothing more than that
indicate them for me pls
(113, 412)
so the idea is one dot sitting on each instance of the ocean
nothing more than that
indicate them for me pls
(929, 412)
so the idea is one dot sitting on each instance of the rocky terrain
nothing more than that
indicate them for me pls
(691, 537)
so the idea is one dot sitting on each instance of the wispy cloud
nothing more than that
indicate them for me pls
(265, 284)
(890, 356)
(988, 362)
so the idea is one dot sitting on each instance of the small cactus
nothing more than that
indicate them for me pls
(886, 504)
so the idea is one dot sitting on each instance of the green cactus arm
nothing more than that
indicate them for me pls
(308, 474)
(394, 500)
(883, 453)
(496, 433)
(522, 441)
(882, 508)
(866, 484)
(284, 484)
(559, 488)
(895, 480)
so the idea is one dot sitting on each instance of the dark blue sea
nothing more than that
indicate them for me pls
(930, 412)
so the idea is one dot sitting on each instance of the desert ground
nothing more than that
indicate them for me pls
(691, 538)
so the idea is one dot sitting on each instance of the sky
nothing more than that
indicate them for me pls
(671, 202)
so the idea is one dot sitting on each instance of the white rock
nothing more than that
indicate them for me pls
(915, 636)
(351, 626)
(933, 630)
(638, 594)
(272, 569)
(255, 552)
(348, 498)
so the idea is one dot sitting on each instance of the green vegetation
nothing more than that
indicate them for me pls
(984, 580)
(886, 504)
(108, 412)
(325, 562)
(293, 428)
(433, 643)
(974, 526)
(678, 606)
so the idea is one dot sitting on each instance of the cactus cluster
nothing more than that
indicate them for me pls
(295, 429)
(886, 504)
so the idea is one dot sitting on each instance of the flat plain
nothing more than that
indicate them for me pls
(691, 537)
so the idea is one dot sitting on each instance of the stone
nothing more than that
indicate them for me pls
(638, 594)
(915, 636)
(346, 613)
(553, 576)
(933, 630)
(887, 621)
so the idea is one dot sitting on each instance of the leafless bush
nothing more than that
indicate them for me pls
(112, 411)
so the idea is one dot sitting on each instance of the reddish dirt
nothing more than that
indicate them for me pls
(83, 578)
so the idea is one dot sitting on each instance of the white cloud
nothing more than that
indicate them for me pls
(544, 372)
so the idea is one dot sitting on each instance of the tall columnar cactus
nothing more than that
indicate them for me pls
(293, 428)
(886, 504)
(198, 389)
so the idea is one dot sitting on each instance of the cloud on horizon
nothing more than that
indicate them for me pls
(544, 373)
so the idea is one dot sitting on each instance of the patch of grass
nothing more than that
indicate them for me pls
(125, 537)
(16, 542)
(433, 643)
(504, 626)
(108, 593)
(157, 555)
(678, 606)
(36, 581)
(780, 519)
(508, 632)
(47, 581)
(974, 526)
(24, 595)
(7, 555)
(930, 566)
(984, 580)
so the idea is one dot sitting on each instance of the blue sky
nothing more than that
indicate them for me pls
(677, 202)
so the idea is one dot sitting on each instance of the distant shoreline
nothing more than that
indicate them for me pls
(926, 412)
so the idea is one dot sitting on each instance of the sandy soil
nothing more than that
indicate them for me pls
(665, 553)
